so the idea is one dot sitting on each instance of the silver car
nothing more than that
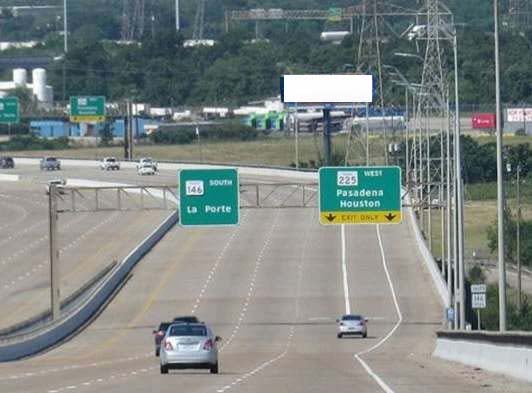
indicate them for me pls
(352, 324)
(189, 345)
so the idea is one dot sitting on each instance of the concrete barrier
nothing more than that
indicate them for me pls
(175, 166)
(71, 323)
(505, 353)
(428, 258)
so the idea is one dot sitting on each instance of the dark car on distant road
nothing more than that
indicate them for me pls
(187, 319)
(7, 162)
(50, 164)
(159, 335)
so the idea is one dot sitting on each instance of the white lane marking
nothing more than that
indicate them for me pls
(344, 272)
(243, 378)
(368, 369)
(62, 250)
(214, 268)
(251, 287)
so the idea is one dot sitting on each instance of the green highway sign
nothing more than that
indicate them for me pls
(209, 197)
(360, 195)
(9, 110)
(87, 109)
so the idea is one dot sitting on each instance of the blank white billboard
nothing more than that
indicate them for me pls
(327, 89)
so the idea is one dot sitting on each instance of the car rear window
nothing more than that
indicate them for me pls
(188, 330)
(190, 319)
(352, 318)
(111, 160)
(51, 159)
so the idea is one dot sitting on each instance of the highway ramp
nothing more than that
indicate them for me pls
(272, 288)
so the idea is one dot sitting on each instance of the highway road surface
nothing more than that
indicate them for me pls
(272, 288)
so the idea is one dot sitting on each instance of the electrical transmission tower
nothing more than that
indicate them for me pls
(369, 60)
(133, 19)
(520, 15)
(435, 153)
(199, 21)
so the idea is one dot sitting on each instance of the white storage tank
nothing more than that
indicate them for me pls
(20, 77)
(39, 84)
(49, 94)
(334, 36)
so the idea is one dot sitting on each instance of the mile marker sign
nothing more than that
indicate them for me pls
(360, 195)
(209, 197)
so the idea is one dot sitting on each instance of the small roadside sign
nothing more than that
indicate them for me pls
(478, 300)
(87, 109)
(9, 110)
(209, 197)
(360, 195)
(478, 295)
(478, 288)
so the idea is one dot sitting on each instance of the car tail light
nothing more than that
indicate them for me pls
(168, 346)
(208, 345)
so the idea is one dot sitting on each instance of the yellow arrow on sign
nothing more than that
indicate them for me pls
(335, 218)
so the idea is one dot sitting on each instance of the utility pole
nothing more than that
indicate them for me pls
(500, 179)
(65, 48)
(518, 240)
(177, 21)
(55, 300)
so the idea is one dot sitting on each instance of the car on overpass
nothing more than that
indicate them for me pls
(144, 161)
(146, 169)
(110, 164)
(50, 164)
(189, 346)
(7, 162)
(158, 335)
(352, 324)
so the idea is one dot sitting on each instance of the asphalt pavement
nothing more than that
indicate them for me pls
(272, 288)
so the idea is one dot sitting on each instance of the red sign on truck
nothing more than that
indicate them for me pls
(483, 121)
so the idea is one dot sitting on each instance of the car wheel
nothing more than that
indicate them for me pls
(339, 335)
(164, 369)
(214, 369)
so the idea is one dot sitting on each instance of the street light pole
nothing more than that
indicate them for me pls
(55, 300)
(500, 179)
(459, 194)
(65, 26)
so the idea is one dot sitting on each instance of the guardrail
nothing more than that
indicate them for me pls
(505, 353)
(70, 324)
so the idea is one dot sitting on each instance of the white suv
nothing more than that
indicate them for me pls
(110, 163)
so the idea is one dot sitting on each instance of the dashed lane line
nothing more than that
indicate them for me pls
(244, 377)
(251, 287)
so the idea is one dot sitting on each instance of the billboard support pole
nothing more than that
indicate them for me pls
(327, 135)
